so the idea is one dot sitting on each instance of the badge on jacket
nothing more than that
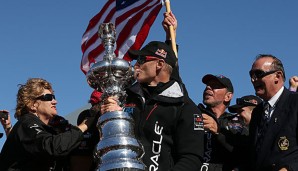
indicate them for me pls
(283, 143)
(198, 122)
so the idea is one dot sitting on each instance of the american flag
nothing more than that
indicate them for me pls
(132, 20)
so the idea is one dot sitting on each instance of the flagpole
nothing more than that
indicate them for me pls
(172, 32)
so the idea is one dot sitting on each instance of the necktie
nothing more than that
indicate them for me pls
(263, 124)
(267, 111)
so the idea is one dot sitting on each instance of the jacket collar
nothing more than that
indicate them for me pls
(170, 92)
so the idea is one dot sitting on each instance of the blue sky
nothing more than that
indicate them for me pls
(42, 39)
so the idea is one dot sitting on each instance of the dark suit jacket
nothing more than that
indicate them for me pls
(279, 148)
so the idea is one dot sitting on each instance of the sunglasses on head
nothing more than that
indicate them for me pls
(240, 101)
(46, 97)
(143, 59)
(260, 73)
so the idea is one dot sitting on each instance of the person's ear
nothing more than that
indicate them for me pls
(34, 106)
(160, 64)
(278, 77)
(279, 74)
(228, 96)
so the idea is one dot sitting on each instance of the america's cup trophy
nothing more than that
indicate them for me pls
(118, 149)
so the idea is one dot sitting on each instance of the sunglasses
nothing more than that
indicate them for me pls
(215, 84)
(260, 73)
(143, 59)
(240, 101)
(46, 97)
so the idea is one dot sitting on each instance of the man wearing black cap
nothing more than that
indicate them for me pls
(82, 157)
(240, 147)
(244, 107)
(168, 123)
(219, 134)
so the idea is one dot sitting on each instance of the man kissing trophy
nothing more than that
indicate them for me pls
(118, 149)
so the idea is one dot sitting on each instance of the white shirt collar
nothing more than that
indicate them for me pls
(274, 99)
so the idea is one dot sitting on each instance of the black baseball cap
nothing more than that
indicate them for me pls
(244, 101)
(157, 49)
(222, 79)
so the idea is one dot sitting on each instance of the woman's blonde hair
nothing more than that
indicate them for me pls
(28, 93)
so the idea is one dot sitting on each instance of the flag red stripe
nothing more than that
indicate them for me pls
(95, 36)
(95, 52)
(143, 33)
(94, 21)
(98, 16)
(124, 34)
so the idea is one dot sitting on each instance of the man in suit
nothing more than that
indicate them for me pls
(273, 131)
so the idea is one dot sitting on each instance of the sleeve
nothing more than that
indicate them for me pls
(175, 73)
(221, 138)
(169, 42)
(227, 138)
(189, 139)
(38, 140)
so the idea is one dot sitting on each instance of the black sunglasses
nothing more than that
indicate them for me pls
(260, 73)
(240, 101)
(215, 84)
(46, 97)
(143, 59)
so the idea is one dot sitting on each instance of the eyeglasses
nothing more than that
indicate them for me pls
(240, 101)
(260, 73)
(143, 59)
(46, 97)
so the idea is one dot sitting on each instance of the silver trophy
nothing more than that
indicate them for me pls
(118, 149)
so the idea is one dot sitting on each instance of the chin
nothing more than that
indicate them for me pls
(53, 114)
(261, 95)
(259, 91)
(140, 80)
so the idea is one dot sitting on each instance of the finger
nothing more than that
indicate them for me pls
(205, 116)
(172, 15)
(109, 101)
(207, 121)
(207, 127)
(167, 22)
(166, 14)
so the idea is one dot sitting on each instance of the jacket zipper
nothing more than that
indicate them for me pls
(154, 107)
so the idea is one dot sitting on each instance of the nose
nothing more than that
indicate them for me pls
(54, 101)
(208, 87)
